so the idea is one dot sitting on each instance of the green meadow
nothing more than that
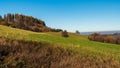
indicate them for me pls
(87, 51)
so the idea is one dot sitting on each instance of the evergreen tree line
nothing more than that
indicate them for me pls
(24, 22)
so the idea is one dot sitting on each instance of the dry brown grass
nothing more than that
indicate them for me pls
(31, 54)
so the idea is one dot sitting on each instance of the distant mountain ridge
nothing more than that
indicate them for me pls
(101, 32)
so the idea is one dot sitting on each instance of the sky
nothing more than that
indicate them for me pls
(70, 15)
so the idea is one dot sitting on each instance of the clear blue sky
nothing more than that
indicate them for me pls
(72, 15)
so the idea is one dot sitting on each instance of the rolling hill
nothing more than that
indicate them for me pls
(75, 51)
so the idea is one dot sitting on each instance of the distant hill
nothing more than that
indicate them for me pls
(101, 32)
(25, 22)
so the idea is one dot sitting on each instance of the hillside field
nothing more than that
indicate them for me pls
(89, 53)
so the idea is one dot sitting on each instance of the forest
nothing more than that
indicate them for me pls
(25, 22)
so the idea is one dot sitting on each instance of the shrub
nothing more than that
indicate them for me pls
(118, 41)
(99, 38)
(56, 30)
(77, 32)
(65, 33)
(110, 39)
(92, 36)
(35, 29)
(104, 38)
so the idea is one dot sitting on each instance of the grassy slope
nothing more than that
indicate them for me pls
(77, 43)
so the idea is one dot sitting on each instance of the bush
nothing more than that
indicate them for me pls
(110, 39)
(65, 33)
(77, 32)
(35, 29)
(99, 38)
(118, 41)
(56, 30)
(92, 36)
(104, 38)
